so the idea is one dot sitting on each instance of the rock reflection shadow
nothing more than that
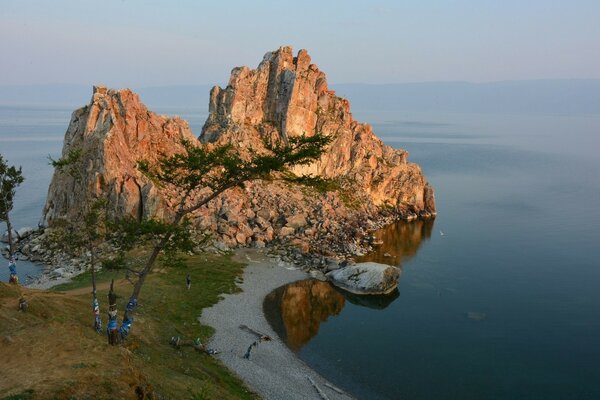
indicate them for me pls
(295, 311)
(401, 241)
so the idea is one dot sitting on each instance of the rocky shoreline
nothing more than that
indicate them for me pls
(338, 241)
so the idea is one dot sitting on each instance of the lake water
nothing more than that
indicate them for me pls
(505, 304)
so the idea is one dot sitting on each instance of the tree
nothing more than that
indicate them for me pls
(87, 229)
(199, 175)
(10, 179)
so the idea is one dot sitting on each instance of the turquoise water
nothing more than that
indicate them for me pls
(505, 304)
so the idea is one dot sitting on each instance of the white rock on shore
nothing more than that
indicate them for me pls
(366, 278)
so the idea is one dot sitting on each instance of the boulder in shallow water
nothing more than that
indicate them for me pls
(366, 278)
(25, 232)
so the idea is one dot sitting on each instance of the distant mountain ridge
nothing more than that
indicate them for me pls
(554, 96)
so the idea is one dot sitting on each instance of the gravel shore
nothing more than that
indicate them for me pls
(272, 371)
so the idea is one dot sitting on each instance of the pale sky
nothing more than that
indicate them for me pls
(156, 43)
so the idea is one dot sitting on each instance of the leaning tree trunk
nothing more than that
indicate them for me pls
(137, 288)
(181, 212)
(112, 329)
(132, 303)
(12, 263)
(11, 245)
(95, 303)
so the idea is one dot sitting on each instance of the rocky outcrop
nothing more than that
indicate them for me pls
(288, 96)
(366, 278)
(284, 97)
(113, 133)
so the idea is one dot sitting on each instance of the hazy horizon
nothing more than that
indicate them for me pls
(550, 97)
(133, 44)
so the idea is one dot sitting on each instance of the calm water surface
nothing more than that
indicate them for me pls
(505, 304)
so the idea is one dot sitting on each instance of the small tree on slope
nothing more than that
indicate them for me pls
(10, 179)
(85, 231)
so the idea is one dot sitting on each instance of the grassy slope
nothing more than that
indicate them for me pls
(53, 352)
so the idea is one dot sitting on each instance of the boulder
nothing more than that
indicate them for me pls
(296, 221)
(286, 231)
(25, 232)
(366, 278)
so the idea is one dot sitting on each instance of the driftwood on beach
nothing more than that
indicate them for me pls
(261, 338)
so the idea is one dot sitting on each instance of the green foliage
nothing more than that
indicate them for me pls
(113, 264)
(89, 227)
(10, 179)
(69, 163)
(81, 233)
(321, 185)
(222, 167)
(128, 233)
(200, 174)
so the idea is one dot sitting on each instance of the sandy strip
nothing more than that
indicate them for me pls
(273, 371)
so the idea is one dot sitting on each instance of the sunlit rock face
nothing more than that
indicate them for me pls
(288, 96)
(113, 132)
(285, 96)
(302, 307)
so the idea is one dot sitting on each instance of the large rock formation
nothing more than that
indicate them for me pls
(288, 96)
(113, 133)
(284, 97)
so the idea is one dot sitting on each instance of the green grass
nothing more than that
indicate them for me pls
(175, 310)
(85, 280)
(166, 308)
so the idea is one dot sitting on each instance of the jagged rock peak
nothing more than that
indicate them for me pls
(114, 131)
(287, 96)
(284, 91)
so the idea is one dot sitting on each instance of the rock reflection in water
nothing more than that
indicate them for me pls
(375, 302)
(295, 311)
(401, 241)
